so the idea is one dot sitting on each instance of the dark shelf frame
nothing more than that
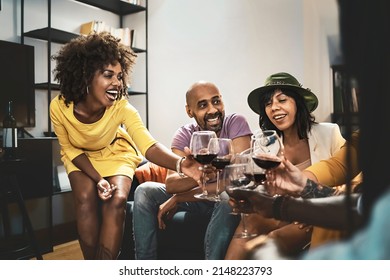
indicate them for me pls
(129, 92)
(342, 118)
(137, 50)
(343, 108)
(46, 86)
(117, 7)
(51, 34)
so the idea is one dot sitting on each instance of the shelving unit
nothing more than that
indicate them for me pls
(53, 35)
(345, 99)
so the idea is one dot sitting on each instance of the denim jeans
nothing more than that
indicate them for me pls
(147, 199)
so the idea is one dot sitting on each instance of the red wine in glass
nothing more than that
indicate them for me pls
(235, 195)
(233, 178)
(257, 178)
(205, 158)
(240, 182)
(220, 163)
(266, 161)
(203, 153)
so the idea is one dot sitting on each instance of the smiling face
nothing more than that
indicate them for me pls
(281, 110)
(205, 105)
(105, 86)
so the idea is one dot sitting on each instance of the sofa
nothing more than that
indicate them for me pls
(183, 237)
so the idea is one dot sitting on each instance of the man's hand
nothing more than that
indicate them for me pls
(166, 211)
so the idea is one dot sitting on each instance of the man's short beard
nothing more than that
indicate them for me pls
(216, 129)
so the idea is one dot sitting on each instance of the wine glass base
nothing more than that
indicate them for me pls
(210, 197)
(245, 235)
(213, 197)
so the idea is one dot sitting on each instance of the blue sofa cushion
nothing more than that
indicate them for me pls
(183, 237)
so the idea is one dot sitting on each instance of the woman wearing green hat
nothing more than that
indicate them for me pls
(285, 106)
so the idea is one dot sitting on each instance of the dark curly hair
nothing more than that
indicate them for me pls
(303, 120)
(78, 61)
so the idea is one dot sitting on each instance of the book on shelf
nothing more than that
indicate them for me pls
(94, 26)
(345, 92)
(337, 92)
(62, 179)
(87, 28)
(124, 34)
(354, 96)
(132, 38)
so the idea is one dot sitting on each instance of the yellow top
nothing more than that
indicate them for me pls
(113, 144)
(333, 171)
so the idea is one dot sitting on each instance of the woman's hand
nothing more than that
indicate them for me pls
(105, 190)
(190, 167)
(285, 179)
(166, 211)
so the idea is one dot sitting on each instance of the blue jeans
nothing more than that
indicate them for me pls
(147, 199)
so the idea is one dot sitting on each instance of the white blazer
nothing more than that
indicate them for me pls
(324, 140)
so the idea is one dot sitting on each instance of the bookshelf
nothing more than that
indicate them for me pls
(54, 35)
(345, 98)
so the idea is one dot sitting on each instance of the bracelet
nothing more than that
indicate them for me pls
(277, 207)
(314, 190)
(178, 167)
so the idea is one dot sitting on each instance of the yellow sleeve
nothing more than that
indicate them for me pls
(57, 117)
(137, 130)
(333, 171)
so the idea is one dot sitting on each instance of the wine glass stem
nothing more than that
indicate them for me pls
(217, 188)
(204, 182)
(244, 229)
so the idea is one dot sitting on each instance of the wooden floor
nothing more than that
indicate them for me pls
(67, 251)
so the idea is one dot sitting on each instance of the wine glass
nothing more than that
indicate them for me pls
(256, 134)
(253, 172)
(223, 158)
(267, 149)
(233, 177)
(204, 154)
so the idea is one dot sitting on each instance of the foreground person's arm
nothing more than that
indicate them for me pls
(327, 212)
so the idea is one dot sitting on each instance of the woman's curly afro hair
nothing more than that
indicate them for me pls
(78, 61)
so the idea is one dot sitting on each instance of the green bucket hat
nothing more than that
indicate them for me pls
(282, 80)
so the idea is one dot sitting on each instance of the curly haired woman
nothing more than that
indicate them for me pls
(102, 138)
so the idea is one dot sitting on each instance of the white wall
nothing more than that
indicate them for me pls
(233, 43)
(236, 44)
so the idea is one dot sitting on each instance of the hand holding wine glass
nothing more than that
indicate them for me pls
(254, 173)
(233, 178)
(267, 149)
(203, 153)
